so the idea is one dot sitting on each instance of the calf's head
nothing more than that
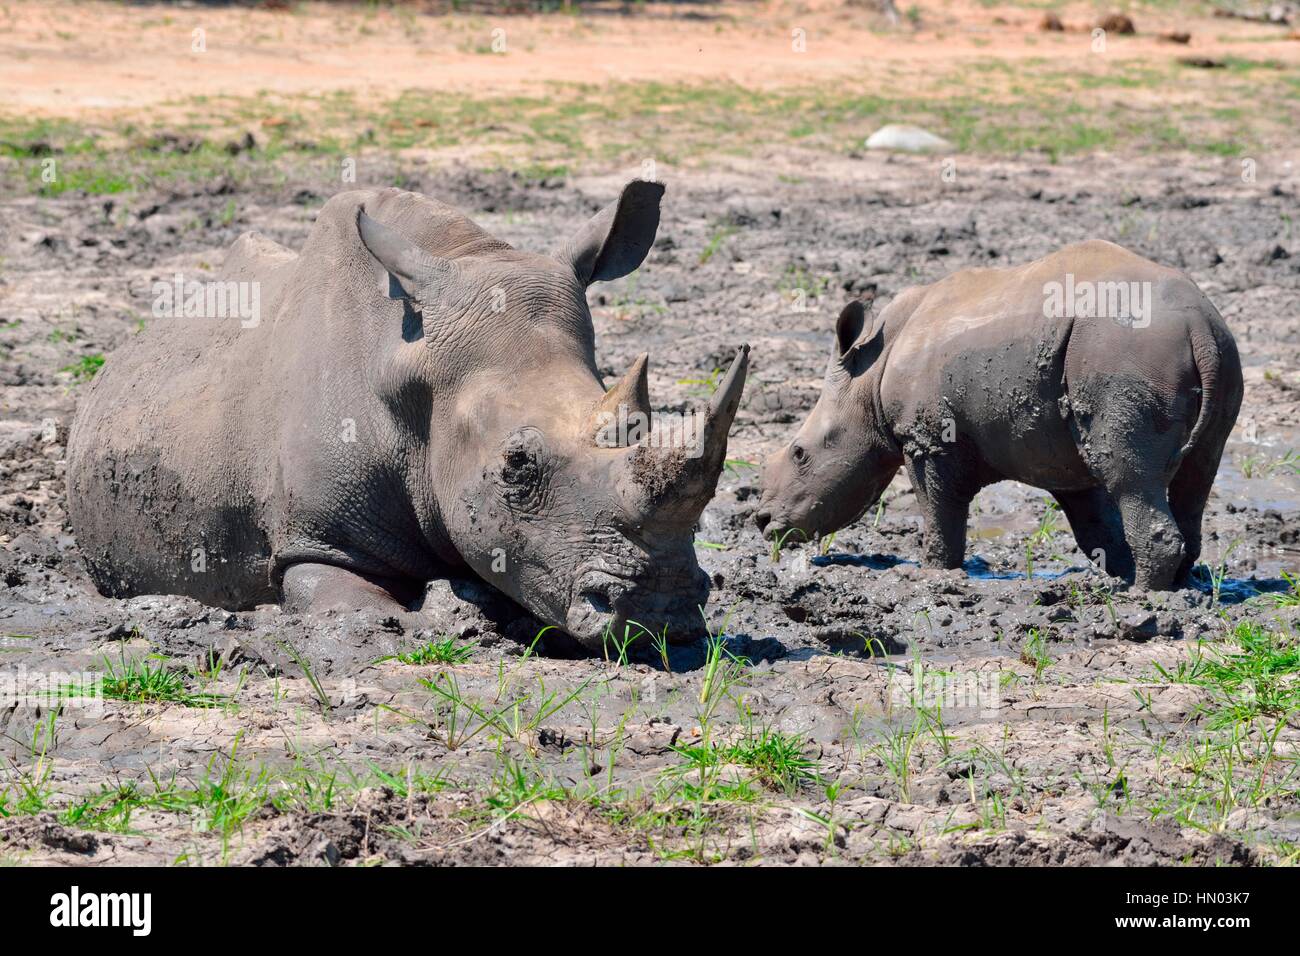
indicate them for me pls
(842, 458)
(549, 486)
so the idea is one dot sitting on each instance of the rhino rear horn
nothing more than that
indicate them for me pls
(422, 277)
(617, 239)
(624, 402)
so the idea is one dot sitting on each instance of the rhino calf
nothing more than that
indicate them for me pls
(416, 397)
(1093, 373)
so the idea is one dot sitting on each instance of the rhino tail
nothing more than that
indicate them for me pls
(1205, 355)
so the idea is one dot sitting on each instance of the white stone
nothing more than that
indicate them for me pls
(908, 139)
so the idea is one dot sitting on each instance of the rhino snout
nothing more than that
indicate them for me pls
(773, 529)
(776, 516)
(608, 607)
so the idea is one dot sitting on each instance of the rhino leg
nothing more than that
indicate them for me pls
(944, 496)
(1141, 494)
(1098, 528)
(1133, 461)
(318, 587)
(1152, 535)
(1188, 492)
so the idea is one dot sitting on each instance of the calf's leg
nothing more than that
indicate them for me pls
(1124, 451)
(1152, 535)
(1098, 529)
(1188, 492)
(944, 498)
(1187, 497)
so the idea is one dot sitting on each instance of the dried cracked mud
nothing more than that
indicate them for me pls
(1024, 710)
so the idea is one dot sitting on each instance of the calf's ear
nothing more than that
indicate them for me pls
(852, 353)
(849, 326)
(422, 277)
(616, 240)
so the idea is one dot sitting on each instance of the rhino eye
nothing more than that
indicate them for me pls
(798, 454)
(522, 477)
(520, 468)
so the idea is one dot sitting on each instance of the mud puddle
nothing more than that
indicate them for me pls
(1054, 728)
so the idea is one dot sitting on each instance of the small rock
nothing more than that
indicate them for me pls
(1118, 23)
(1270, 252)
(675, 292)
(1051, 23)
(242, 145)
(907, 139)
(1138, 626)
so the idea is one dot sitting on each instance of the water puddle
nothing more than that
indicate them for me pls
(981, 570)
(1239, 590)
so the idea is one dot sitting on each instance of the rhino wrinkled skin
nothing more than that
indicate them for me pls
(416, 398)
(975, 379)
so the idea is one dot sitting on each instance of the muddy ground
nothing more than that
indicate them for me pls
(1079, 724)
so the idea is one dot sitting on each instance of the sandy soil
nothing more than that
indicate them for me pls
(1075, 749)
(86, 59)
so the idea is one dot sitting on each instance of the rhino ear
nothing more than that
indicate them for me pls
(616, 240)
(849, 326)
(852, 353)
(420, 276)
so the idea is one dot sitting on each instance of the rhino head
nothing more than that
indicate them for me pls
(548, 485)
(842, 458)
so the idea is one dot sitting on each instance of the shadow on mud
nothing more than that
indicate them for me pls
(975, 567)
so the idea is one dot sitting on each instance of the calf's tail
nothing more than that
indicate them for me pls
(1206, 356)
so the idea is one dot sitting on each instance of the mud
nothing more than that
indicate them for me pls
(1077, 752)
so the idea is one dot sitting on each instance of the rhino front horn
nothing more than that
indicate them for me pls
(625, 409)
(677, 482)
(726, 401)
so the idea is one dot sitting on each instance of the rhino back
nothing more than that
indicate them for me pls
(166, 489)
(174, 478)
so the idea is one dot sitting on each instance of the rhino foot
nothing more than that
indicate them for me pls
(310, 588)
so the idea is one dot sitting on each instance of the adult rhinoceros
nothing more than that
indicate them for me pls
(416, 397)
